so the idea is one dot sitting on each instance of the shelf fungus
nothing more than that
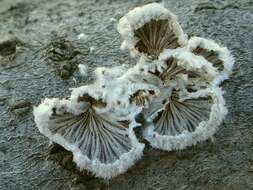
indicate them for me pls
(150, 29)
(99, 142)
(176, 122)
(172, 94)
(186, 70)
(219, 57)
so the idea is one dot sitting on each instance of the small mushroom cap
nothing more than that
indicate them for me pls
(150, 29)
(220, 57)
(182, 65)
(99, 142)
(183, 121)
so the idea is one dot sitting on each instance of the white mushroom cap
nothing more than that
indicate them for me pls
(160, 27)
(99, 142)
(220, 57)
(183, 122)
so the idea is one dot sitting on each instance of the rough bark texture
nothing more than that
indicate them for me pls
(42, 66)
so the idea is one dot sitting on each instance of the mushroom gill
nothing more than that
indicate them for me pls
(142, 97)
(97, 136)
(150, 29)
(179, 116)
(211, 56)
(173, 69)
(220, 57)
(155, 36)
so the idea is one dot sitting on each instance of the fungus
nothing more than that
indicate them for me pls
(99, 143)
(150, 29)
(171, 97)
(186, 68)
(219, 57)
(178, 122)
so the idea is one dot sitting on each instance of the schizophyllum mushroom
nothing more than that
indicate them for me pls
(175, 86)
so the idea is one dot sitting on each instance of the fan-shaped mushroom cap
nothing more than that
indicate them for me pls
(99, 142)
(185, 69)
(150, 29)
(219, 57)
(178, 122)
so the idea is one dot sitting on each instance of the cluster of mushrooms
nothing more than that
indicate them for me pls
(172, 95)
